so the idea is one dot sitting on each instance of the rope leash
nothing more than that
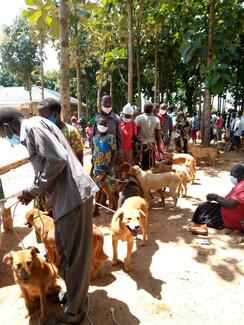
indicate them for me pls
(103, 206)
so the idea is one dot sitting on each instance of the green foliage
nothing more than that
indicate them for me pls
(7, 79)
(18, 52)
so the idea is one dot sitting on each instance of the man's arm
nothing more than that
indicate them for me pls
(158, 139)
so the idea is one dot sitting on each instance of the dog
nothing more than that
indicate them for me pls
(188, 161)
(36, 277)
(98, 255)
(203, 152)
(124, 226)
(45, 233)
(180, 170)
(131, 188)
(157, 182)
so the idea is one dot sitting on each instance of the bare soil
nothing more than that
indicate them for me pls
(174, 279)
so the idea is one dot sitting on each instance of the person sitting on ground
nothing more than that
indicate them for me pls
(148, 129)
(51, 109)
(128, 134)
(219, 212)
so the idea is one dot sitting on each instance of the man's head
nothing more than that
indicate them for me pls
(237, 172)
(51, 109)
(106, 104)
(127, 113)
(171, 108)
(163, 109)
(10, 122)
(148, 107)
(156, 108)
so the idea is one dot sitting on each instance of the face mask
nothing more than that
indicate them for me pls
(53, 119)
(233, 180)
(102, 128)
(15, 139)
(106, 110)
(125, 119)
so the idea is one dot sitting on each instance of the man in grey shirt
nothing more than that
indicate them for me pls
(70, 190)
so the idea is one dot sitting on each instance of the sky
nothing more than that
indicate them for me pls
(9, 9)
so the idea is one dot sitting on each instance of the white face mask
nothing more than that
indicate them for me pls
(125, 119)
(233, 180)
(102, 128)
(106, 110)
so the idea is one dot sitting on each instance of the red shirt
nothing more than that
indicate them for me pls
(128, 130)
(232, 217)
(220, 122)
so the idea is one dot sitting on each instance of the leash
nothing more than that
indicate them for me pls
(103, 206)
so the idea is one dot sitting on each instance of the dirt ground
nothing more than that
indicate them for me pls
(174, 279)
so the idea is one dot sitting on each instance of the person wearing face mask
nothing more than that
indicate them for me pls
(166, 125)
(70, 190)
(51, 109)
(128, 134)
(219, 212)
(103, 157)
(113, 122)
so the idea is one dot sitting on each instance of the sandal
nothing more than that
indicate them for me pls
(198, 229)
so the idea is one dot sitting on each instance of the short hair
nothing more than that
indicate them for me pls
(101, 120)
(51, 104)
(11, 116)
(105, 98)
(238, 171)
(148, 107)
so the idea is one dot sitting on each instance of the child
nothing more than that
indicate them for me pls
(103, 157)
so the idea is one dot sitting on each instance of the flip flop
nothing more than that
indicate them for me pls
(198, 229)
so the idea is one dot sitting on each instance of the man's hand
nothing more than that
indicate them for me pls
(212, 197)
(25, 198)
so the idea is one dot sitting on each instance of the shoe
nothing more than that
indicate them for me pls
(198, 229)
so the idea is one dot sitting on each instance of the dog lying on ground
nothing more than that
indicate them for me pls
(157, 182)
(203, 152)
(124, 226)
(180, 170)
(45, 233)
(98, 255)
(36, 277)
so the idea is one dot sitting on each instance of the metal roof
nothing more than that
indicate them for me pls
(19, 95)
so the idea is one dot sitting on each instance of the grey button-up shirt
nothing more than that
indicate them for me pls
(57, 169)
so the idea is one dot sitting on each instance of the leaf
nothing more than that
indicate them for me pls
(84, 13)
(218, 88)
(30, 2)
(35, 16)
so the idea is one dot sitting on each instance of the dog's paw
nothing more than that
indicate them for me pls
(144, 242)
(114, 261)
(127, 267)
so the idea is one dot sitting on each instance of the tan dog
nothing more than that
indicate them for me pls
(98, 255)
(203, 152)
(157, 182)
(45, 233)
(124, 226)
(188, 161)
(36, 277)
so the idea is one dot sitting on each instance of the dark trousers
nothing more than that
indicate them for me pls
(73, 234)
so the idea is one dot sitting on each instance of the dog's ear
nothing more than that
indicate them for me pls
(29, 216)
(8, 258)
(119, 215)
(142, 214)
(34, 250)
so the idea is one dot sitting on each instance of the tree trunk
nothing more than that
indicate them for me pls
(156, 81)
(111, 84)
(130, 52)
(207, 95)
(78, 76)
(64, 60)
(42, 66)
(138, 72)
(100, 83)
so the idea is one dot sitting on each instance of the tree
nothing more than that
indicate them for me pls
(7, 79)
(130, 51)
(19, 53)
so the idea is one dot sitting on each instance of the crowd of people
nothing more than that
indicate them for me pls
(55, 150)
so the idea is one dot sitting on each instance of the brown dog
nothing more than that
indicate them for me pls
(203, 152)
(157, 182)
(98, 255)
(188, 161)
(45, 233)
(124, 226)
(36, 277)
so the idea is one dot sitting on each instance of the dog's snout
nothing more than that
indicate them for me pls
(24, 275)
(137, 227)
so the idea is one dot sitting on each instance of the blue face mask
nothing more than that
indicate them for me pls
(53, 119)
(14, 140)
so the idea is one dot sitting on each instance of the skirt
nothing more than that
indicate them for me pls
(209, 213)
